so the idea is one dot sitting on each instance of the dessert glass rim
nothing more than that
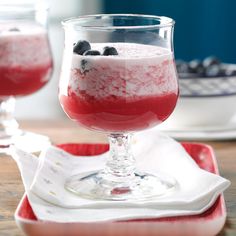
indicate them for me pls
(76, 22)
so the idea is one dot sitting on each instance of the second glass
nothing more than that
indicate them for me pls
(118, 76)
(25, 61)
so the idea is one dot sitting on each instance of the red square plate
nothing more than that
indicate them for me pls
(208, 223)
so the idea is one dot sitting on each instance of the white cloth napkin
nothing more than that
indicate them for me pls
(44, 180)
(28, 141)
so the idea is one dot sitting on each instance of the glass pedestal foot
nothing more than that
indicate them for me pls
(10, 134)
(141, 186)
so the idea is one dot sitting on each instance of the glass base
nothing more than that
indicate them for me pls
(141, 186)
(6, 140)
(27, 141)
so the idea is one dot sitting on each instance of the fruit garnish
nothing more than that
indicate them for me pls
(109, 51)
(209, 61)
(196, 66)
(213, 70)
(81, 46)
(92, 53)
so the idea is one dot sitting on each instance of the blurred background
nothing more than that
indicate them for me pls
(203, 28)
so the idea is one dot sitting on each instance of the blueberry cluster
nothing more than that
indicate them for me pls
(83, 47)
(209, 67)
(14, 29)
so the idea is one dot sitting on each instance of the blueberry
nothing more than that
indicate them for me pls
(81, 46)
(182, 66)
(179, 62)
(92, 53)
(84, 66)
(213, 70)
(209, 61)
(109, 51)
(228, 72)
(233, 73)
(14, 29)
(195, 66)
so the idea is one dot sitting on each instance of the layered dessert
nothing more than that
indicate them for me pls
(118, 87)
(25, 58)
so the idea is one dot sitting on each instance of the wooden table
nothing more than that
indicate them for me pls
(11, 189)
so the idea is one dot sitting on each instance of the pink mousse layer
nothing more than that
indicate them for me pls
(138, 70)
(25, 58)
(27, 47)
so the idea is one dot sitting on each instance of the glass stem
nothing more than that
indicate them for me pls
(120, 166)
(8, 125)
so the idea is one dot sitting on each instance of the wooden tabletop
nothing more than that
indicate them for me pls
(11, 189)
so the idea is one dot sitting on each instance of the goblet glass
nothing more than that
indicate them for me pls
(25, 60)
(118, 76)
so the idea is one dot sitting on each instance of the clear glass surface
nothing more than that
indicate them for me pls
(118, 76)
(25, 62)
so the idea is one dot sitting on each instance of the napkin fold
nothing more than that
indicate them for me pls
(44, 179)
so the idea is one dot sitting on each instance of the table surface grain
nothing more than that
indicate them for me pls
(11, 189)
